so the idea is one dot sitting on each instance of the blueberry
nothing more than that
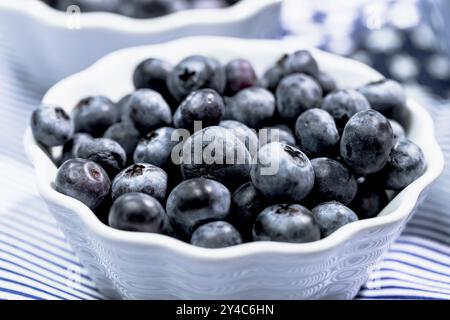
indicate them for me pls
(331, 216)
(286, 223)
(83, 180)
(216, 153)
(399, 132)
(240, 75)
(51, 126)
(299, 62)
(272, 78)
(194, 73)
(253, 107)
(141, 177)
(344, 104)
(366, 142)
(137, 211)
(388, 97)
(125, 134)
(216, 234)
(123, 106)
(152, 74)
(197, 201)
(278, 133)
(332, 181)
(406, 163)
(94, 115)
(204, 105)
(295, 94)
(156, 147)
(316, 132)
(282, 172)
(246, 135)
(106, 152)
(326, 82)
(246, 204)
(370, 199)
(71, 148)
(148, 110)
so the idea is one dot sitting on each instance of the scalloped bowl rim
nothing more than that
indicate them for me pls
(113, 21)
(408, 196)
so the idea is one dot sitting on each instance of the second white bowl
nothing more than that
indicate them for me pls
(49, 48)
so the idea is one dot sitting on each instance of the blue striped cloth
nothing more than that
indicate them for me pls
(37, 263)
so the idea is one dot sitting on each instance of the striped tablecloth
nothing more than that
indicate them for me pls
(37, 263)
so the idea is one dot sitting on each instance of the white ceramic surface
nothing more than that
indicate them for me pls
(49, 50)
(150, 266)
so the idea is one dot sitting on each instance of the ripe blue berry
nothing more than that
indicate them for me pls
(326, 82)
(71, 148)
(278, 133)
(406, 163)
(194, 73)
(125, 134)
(156, 147)
(51, 126)
(217, 234)
(299, 62)
(106, 152)
(83, 180)
(295, 94)
(370, 199)
(123, 107)
(332, 181)
(94, 115)
(282, 172)
(204, 105)
(388, 97)
(398, 130)
(344, 104)
(137, 211)
(141, 177)
(216, 153)
(246, 204)
(272, 78)
(148, 110)
(316, 132)
(152, 74)
(253, 107)
(286, 223)
(366, 142)
(331, 216)
(246, 135)
(240, 75)
(197, 201)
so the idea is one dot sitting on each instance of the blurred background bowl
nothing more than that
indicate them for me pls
(50, 44)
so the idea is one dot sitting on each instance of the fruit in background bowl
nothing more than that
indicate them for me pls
(343, 153)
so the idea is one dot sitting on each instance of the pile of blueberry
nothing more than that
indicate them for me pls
(140, 9)
(332, 156)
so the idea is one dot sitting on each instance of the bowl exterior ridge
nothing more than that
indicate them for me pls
(145, 266)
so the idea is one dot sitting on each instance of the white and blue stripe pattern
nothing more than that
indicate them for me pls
(37, 263)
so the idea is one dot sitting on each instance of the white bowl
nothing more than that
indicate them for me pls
(143, 266)
(49, 48)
